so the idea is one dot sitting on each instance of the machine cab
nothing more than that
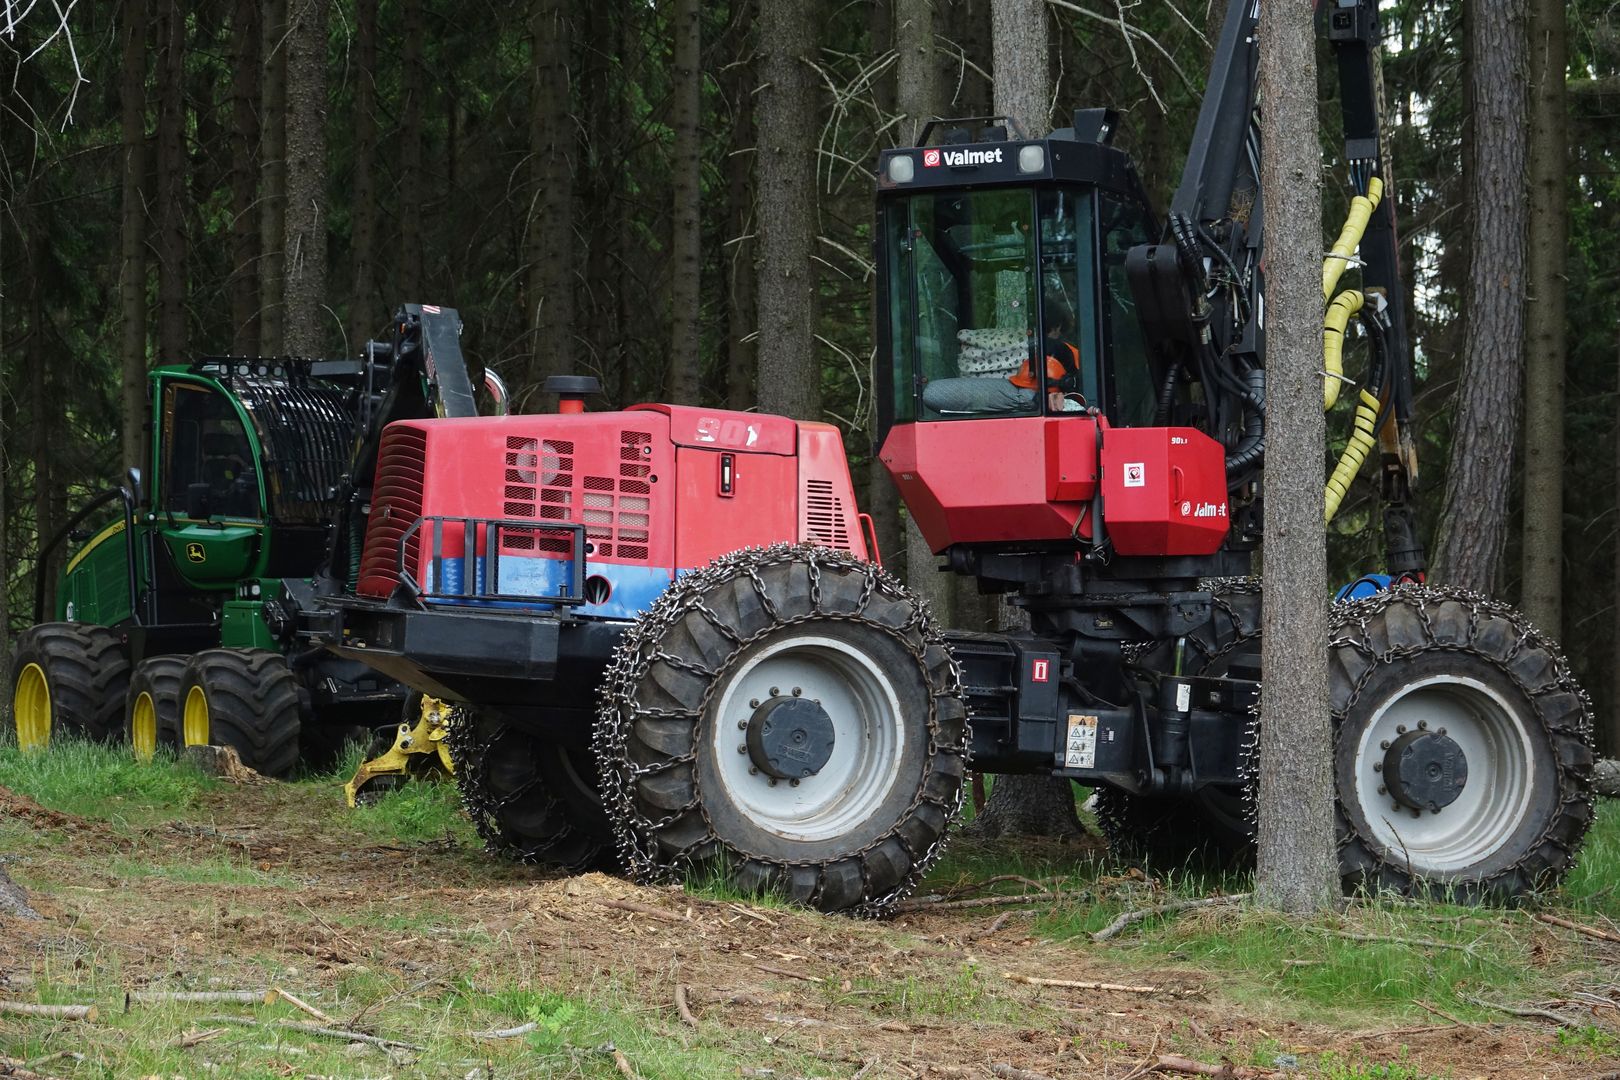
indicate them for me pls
(1008, 338)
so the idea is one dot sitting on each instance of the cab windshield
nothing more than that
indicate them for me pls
(992, 303)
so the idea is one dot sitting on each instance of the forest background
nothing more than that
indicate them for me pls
(585, 182)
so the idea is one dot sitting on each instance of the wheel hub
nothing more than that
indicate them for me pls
(790, 738)
(1425, 770)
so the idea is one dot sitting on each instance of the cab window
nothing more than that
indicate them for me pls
(206, 449)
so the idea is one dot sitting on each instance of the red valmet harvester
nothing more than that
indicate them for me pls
(671, 649)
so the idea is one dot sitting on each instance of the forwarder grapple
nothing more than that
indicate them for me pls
(669, 648)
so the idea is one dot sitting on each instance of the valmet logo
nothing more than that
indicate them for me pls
(933, 158)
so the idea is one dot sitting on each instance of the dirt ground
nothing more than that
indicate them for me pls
(326, 906)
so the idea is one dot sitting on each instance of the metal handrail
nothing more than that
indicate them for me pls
(42, 560)
(469, 546)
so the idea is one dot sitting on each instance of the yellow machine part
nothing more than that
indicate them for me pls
(419, 750)
(32, 708)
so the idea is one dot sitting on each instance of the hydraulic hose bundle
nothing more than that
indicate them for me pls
(1347, 305)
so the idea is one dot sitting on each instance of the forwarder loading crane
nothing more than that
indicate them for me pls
(187, 619)
(1072, 395)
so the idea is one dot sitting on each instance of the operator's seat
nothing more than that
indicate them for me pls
(228, 476)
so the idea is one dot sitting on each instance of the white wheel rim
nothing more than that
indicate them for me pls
(869, 739)
(1492, 804)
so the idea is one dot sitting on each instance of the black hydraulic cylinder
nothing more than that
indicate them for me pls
(1173, 724)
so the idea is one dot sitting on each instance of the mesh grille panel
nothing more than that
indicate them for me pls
(825, 516)
(396, 502)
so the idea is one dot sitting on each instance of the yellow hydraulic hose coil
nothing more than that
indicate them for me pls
(1345, 307)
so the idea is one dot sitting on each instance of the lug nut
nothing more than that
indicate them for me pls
(1378, 766)
(753, 703)
(1423, 725)
(1384, 745)
(752, 771)
(773, 781)
(742, 748)
(798, 692)
(793, 783)
(1442, 731)
(1400, 729)
(742, 725)
(1382, 790)
(775, 691)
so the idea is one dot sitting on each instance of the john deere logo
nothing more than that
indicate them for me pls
(195, 553)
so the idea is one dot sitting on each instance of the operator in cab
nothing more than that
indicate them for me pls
(1063, 376)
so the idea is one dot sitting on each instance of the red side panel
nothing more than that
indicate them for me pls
(721, 429)
(827, 510)
(757, 510)
(601, 470)
(984, 481)
(1164, 491)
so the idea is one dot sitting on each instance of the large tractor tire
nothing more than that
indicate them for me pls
(152, 705)
(1463, 751)
(1213, 827)
(530, 800)
(67, 678)
(246, 699)
(785, 720)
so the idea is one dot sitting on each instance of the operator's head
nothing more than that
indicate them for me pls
(1057, 316)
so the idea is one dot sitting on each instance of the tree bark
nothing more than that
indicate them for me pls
(1542, 593)
(413, 87)
(245, 97)
(1023, 805)
(1609, 737)
(172, 181)
(551, 227)
(916, 71)
(686, 215)
(13, 901)
(789, 115)
(1474, 515)
(1297, 868)
(273, 166)
(43, 413)
(132, 271)
(305, 287)
(364, 313)
(739, 248)
(1021, 52)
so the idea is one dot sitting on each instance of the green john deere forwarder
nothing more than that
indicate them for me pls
(189, 619)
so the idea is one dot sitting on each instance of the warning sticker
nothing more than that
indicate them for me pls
(1081, 750)
(1135, 474)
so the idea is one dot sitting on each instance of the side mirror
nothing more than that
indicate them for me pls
(197, 502)
(134, 478)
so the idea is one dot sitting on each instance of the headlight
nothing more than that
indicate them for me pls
(1032, 159)
(902, 169)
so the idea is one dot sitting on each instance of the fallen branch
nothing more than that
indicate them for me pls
(980, 886)
(148, 997)
(507, 1033)
(1130, 918)
(1075, 984)
(1010, 1072)
(1417, 943)
(60, 1055)
(53, 1012)
(188, 1039)
(1529, 1011)
(1174, 1063)
(639, 909)
(987, 901)
(316, 1029)
(298, 1003)
(1579, 928)
(789, 974)
(13, 1069)
(622, 1063)
(682, 1007)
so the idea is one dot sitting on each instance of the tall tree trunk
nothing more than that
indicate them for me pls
(413, 87)
(173, 193)
(6, 562)
(245, 91)
(132, 270)
(1023, 805)
(1474, 515)
(1021, 52)
(273, 189)
(687, 206)
(551, 228)
(1297, 869)
(305, 268)
(43, 413)
(738, 250)
(789, 380)
(363, 313)
(1542, 595)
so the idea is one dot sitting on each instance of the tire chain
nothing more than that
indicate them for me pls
(637, 833)
(1348, 627)
(467, 753)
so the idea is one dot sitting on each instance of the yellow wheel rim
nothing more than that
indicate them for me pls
(143, 727)
(31, 705)
(194, 719)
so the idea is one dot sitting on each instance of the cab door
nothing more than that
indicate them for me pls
(208, 499)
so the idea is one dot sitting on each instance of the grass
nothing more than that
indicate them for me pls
(103, 782)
